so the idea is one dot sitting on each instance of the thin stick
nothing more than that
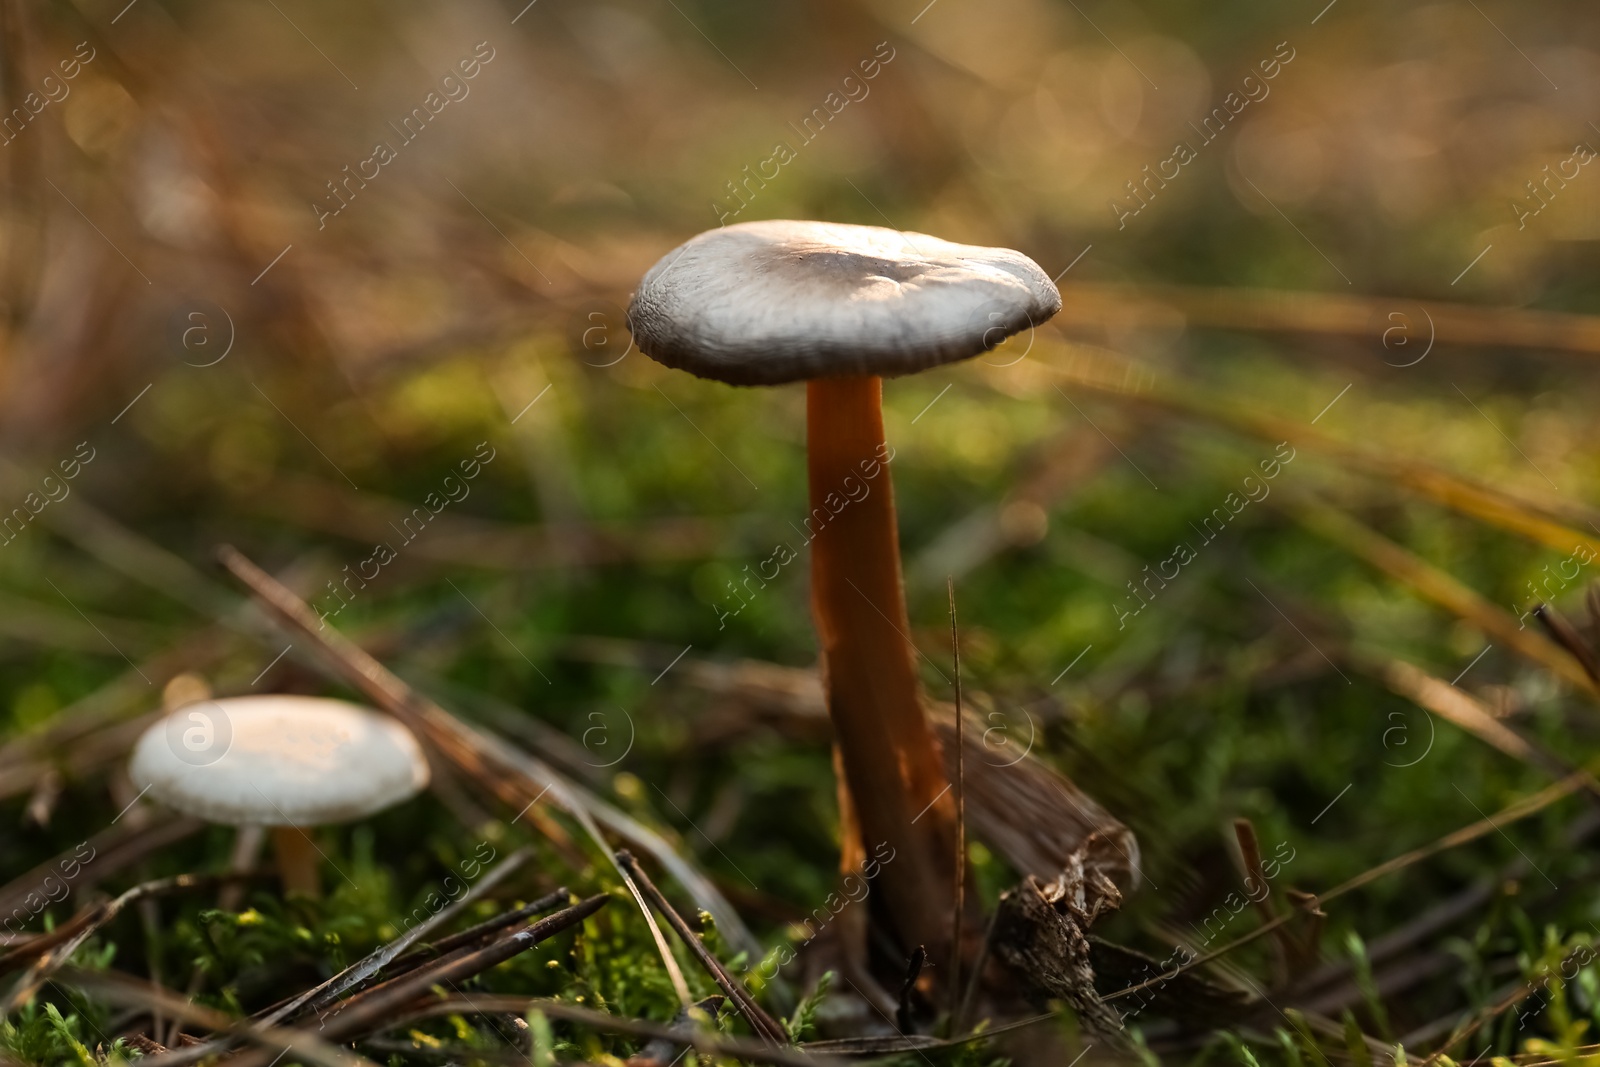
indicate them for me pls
(763, 1024)
(110, 851)
(474, 935)
(1244, 832)
(961, 813)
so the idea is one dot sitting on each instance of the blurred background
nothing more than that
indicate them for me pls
(277, 274)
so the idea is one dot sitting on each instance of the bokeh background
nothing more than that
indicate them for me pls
(245, 366)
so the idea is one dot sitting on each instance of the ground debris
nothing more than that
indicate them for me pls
(1042, 934)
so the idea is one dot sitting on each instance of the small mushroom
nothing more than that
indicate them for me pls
(839, 307)
(290, 763)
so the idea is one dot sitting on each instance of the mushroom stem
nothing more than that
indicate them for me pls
(298, 861)
(891, 759)
(247, 842)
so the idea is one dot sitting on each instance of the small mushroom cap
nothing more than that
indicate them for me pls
(762, 303)
(284, 761)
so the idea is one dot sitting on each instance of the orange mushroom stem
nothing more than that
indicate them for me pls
(898, 798)
(298, 861)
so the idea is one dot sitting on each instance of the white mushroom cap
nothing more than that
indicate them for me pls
(278, 761)
(761, 303)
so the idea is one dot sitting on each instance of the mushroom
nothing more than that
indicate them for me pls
(286, 762)
(839, 307)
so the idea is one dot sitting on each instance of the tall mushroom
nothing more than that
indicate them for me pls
(291, 763)
(839, 307)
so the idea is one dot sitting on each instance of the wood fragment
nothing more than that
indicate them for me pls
(1031, 814)
(1042, 935)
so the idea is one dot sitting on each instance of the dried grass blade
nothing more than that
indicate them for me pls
(1461, 708)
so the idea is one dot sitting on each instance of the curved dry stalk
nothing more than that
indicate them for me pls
(1457, 706)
